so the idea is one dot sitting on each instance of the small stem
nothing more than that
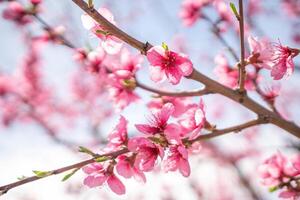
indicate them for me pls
(220, 132)
(4, 189)
(50, 29)
(199, 92)
(242, 64)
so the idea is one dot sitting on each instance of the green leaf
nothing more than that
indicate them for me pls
(86, 150)
(67, 176)
(234, 10)
(165, 46)
(41, 174)
(273, 189)
(102, 158)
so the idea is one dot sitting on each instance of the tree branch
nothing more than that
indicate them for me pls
(199, 92)
(242, 64)
(220, 132)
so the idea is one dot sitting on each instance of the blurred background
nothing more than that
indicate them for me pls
(224, 168)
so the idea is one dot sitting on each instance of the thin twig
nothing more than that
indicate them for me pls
(199, 92)
(237, 128)
(4, 189)
(242, 64)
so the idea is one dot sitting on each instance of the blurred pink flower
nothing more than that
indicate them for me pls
(110, 43)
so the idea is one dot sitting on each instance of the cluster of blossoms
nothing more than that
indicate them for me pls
(24, 95)
(275, 57)
(161, 139)
(20, 14)
(281, 173)
(192, 10)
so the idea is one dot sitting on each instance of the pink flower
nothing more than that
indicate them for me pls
(118, 136)
(110, 43)
(223, 10)
(261, 52)
(290, 194)
(126, 168)
(283, 63)
(16, 12)
(98, 175)
(181, 104)
(159, 127)
(190, 11)
(177, 160)
(229, 76)
(194, 119)
(121, 82)
(165, 62)
(146, 153)
(277, 169)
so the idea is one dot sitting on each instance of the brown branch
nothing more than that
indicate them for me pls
(4, 189)
(199, 92)
(242, 64)
(220, 132)
(210, 84)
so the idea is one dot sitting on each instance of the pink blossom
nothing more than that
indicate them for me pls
(98, 175)
(177, 160)
(275, 169)
(261, 52)
(283, 63)
(121, 82)
(159, 125)
(118, 136)
(194, 119)
(190, 11)
(229, 76)
(126, 168)
(181, 104)
(16, 12)
(289, 194)
(223, 10)
(147, 153)
(110, 43)
(165, 62)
